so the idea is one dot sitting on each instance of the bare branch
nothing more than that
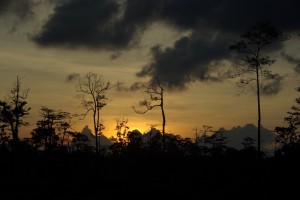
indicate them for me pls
(156, 99)
(93, 89)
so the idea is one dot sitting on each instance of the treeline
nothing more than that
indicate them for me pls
(134, 167)
(53, 133)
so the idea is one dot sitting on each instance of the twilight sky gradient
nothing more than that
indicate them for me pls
(186, 42)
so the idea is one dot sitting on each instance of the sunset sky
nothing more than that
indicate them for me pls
(50, 43)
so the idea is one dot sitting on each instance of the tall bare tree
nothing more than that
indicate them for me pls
(156, 99)
(254, 63)
(93, 89)
(14, 110)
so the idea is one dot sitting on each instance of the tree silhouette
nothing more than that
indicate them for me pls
(202, 140)
(13, 111)
(120, 142)
(63, 127)
(4, 138)
(218, 143)
(135, 142)
(45, 136)
(122, 130)
(93, 88)
(249, 148)
(153, 139)
(253, 62)
(156, 94)
(80, 142)
(248, 143)
(289, 137)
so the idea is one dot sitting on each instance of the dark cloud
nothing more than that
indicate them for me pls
(120, 24)
(72, 77)
(96, 24)
(4, 4)
(191, 58)
(80, 23)
(112, 24)
(228, 15)
(198, 57)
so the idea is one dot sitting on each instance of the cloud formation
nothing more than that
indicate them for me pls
(96, 24)
(119, 25)
(79, 23)
(191, 58)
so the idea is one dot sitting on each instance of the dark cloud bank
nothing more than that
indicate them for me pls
(119, 25)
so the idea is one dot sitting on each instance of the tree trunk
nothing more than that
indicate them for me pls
(96, 135)
(163, 127)
(163, 122)
(259, 112)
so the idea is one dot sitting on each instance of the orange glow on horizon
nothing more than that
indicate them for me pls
(110, 126)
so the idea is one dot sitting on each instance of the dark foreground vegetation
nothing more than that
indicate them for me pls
(146, 174)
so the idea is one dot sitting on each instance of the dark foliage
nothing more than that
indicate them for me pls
(57, 175)
(289, 137)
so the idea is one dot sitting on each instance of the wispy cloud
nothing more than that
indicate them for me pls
(116, 55)
(272, 87)
(121, 86)
(293, 60)
(72, 77)
(17, 12)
